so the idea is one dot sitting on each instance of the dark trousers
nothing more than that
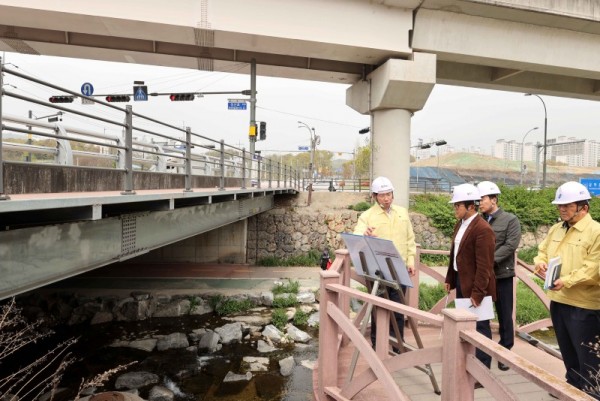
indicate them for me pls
(504, 310)
(482, 327)
(393, 296)
(576, 331)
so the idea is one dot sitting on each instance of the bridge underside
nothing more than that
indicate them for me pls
(477, 43)
(36, 256)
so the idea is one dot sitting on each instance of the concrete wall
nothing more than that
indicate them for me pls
(22, 178)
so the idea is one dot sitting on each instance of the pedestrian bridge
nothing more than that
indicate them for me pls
(437, 361)
(72, 200)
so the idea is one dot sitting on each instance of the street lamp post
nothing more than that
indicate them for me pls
(314, 141)
(522, 145)
(545, 138)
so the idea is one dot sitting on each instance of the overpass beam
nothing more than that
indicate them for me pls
(391, 94)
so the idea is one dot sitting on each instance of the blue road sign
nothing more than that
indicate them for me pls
(140, 93)
(87, 89)
(592, 184)
(236, 104)
(303, 148)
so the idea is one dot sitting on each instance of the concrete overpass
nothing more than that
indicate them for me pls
(392, 52)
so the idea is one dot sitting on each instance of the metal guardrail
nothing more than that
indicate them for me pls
(163, 148)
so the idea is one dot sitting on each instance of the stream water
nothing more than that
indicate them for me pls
(190, 375)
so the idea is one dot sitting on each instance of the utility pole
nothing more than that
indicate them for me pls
(252, 128)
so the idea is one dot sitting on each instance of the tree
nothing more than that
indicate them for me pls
(363, 160)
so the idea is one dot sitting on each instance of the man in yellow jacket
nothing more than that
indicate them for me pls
(575, 295)
(388, 221)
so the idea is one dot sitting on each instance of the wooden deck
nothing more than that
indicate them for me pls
(418, 386)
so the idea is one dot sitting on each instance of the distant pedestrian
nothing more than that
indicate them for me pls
(392, 222)
(471, 267)
(507, 229)
(325, 260)
(575, 295)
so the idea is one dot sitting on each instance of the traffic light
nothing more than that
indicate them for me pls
(262, 131)
(117, 98)
(180, 97)
(61, 99)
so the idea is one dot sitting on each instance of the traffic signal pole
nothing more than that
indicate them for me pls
(252, 127)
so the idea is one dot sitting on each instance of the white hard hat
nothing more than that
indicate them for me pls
(570, 192)
(381, 185)
(488, 188)
(465, 192)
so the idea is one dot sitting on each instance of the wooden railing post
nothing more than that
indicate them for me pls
(328, 347)
(413, 293)
(456, 382)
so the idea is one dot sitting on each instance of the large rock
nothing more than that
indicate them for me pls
(172, 341)
(209, 341)
(132, 380)
(160, 393)
(230, 332)
(286, 366)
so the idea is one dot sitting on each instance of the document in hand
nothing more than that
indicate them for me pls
(485, 310)
(376, 252)
(553, 272)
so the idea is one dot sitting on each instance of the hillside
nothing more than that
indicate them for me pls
(474, 167)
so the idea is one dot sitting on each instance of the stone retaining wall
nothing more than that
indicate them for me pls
(293, 228)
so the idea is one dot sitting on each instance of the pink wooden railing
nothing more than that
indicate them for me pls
(460, 368)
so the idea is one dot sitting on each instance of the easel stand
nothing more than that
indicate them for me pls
(373, 284)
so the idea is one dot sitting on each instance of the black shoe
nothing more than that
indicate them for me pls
(502, 366)
(477, 385)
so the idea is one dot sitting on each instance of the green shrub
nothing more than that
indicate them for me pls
(529, 306)
(285, 302)
(312, 258)
(229, 306)
(279, 318)
(527, 254)
(300, 318)
(429, 295)
(439, 211)
(360, 206)
(434, 260)
(292, 287)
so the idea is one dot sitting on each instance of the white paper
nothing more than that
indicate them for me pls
(551, 274)
(485, 310)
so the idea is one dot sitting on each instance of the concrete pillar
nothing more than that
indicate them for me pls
(391, 94)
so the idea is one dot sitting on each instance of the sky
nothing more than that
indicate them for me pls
(466, 118)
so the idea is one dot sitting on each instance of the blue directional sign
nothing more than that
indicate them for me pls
(592, 184)
(87, 89)
(140, 93)
(236, 104)
(303, 148)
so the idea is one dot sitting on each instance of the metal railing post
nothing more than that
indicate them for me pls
(188, 160)
(128, 179)
(222, 161)
(258, 159)
(278, 173)
(2, 195)
(270, 172)
(244, 169)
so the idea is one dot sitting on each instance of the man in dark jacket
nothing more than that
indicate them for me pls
(471, 268)
(507, 228)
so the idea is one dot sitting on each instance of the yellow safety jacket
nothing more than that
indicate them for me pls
(579, 251)
(395, 226)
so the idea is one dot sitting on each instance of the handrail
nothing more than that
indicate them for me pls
(136, 148)
(460, 368)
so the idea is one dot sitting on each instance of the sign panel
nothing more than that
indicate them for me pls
(140, 93)
(87, 89)
(236, 104)
(305, 148)
(592, 184)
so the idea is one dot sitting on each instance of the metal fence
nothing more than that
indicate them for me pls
(143, 144)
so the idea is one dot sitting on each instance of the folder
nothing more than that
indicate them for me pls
(553, 272)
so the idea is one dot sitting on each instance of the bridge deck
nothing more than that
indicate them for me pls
(417, 385)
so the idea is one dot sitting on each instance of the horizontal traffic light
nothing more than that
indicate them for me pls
(61, 99)
(182, 97)
(117, 98)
